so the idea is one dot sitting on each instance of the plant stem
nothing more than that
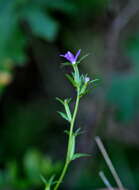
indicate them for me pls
(67, 162)
(105, 181)
(109, 163)
(74, 115)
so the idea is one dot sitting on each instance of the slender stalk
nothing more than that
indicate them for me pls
(105, 181)
(67, 162)
(74, 116)
(109, 163)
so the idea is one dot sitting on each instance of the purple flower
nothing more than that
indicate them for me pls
(70, 57)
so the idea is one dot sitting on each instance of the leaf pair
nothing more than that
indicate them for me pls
(48, 183)
(71, 79)
(67, 116)
(86, 85)
(71, 152)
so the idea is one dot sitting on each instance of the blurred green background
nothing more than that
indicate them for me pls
(32, 35)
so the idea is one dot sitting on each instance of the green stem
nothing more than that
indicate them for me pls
(74, 115)
(67, 162)
(61, 176)
(77, 75)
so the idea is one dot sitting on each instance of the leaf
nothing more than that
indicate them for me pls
(83, 89)
(67, 109)
(49, 183)
(71, 80)
(76, 75)
(66, 116)
(66, 64)
(51, 180)
(69, 100)
(78, 132)
(85, 92)
(71, 148)
(60, 100)
(63, 115)
(79, 155)
(43, 179)
(67, 132)
(82, 58)
(92, 81)
(42, 24)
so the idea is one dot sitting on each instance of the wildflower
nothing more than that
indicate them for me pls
(87, 79)
(70, 57)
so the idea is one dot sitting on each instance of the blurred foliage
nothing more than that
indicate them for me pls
(32, 116)
(21, 16)
(126, 101)
(32, 33)
(27, 175)
(17, 18)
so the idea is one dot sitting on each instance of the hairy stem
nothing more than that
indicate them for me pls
(67, 162)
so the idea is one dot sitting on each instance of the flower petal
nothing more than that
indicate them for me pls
(70, 56)
(77, 54)
(62, 55)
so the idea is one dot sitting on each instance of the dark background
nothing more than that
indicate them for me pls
(32, 141)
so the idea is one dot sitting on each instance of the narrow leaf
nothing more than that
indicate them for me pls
(76, 75)
(85, 92)
(82, 58)
(43, 179)
(67, 132)
(71, 147)
(68, 100)
(92, 81)
(51, 180)
(60, 100)
(71, 80)
(49, 183)
(63, 115)
(78, 132)
(79, 155)
(83, 89)
(67, 109)
(65, 64)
